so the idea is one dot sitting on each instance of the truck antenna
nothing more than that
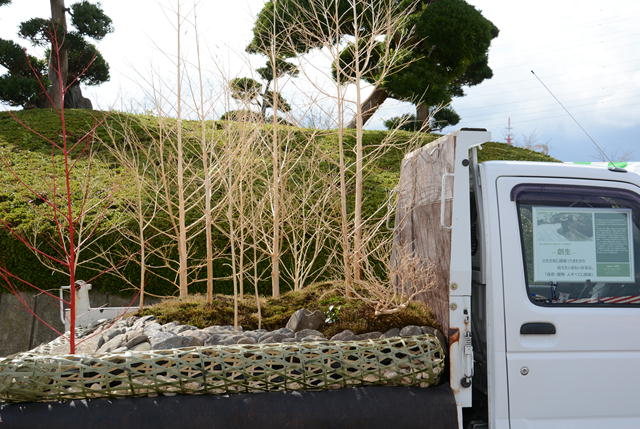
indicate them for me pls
(612, 165)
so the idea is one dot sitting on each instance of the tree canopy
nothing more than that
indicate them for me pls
(250, 92)
(449, 49)
(439, 118)
(80, 60)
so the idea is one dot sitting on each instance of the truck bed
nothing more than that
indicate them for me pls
(359, 407)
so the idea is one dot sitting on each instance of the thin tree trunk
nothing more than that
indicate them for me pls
(232, 233)
(241, 227)
(59, 28)
(263, 106)
(143, 244)
(207, 219)
(344, 215)
(275, 187)
(359, 122)
(370, 106)
(255, 270)
(422, 115)
(208, 222)
(182, 228)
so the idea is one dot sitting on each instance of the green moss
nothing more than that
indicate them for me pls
(353, 314)
(504, 152)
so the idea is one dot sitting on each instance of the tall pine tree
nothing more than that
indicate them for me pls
(80, 61)
(450, 52)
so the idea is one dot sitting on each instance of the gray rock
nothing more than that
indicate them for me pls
(171, 342)
(217, 329)
(142, 347)
(143, 321)
(119, 324)
(311, 338)
(158, 336)
(100, 342)
(229, 339)
(189, 341)
(214, 339)
(99, 322)
(171, 327)
(151, 328)
(113, 344)
(119, 350)
(94, 326)
(111, 333)
(284, 331)
(133, 333)
(253, 334)
(411, 330)
(305, 319)
(346, 335)
(180, 328)
(307, 333)
(246, 340)
(201, 335)
(433, 331)
(370, 336)
(290, 340)
(266, 337)
(393, 332)
(273, 338)
(135, 339)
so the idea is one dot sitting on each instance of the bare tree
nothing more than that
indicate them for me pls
(373, 51)
(140, 206)
(72, 198)
(532, 142)
(381, 293)
(309, 197)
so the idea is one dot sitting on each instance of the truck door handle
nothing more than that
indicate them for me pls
(537, 328)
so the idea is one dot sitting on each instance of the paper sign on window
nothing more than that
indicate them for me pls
(579, 244)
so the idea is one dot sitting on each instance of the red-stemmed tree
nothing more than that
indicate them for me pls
(65, 200)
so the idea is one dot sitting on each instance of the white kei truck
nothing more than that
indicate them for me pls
(537, 293)
(542, 301)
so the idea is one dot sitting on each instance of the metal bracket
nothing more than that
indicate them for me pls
(468, 353)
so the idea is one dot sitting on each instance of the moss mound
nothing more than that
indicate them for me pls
(350, 314)
(503, 152)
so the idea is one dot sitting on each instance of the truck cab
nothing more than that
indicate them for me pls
(562, 292)
(543, 283)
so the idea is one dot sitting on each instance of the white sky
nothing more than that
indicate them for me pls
(586, 51)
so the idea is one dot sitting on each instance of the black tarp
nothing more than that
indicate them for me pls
(361, 407)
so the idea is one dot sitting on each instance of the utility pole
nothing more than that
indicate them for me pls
(509, 129)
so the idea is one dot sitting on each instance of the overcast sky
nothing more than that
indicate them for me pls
(586, 51)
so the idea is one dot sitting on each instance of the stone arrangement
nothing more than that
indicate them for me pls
(145, 334)
(138, 356)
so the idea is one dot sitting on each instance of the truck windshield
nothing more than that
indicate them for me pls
(581, 245)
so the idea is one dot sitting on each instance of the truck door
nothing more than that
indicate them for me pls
(571, 283)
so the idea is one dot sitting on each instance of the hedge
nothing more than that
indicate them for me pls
(30, 156)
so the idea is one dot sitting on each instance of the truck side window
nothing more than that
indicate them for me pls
(580, 244)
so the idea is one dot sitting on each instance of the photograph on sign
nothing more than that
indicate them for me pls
(578, 244)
